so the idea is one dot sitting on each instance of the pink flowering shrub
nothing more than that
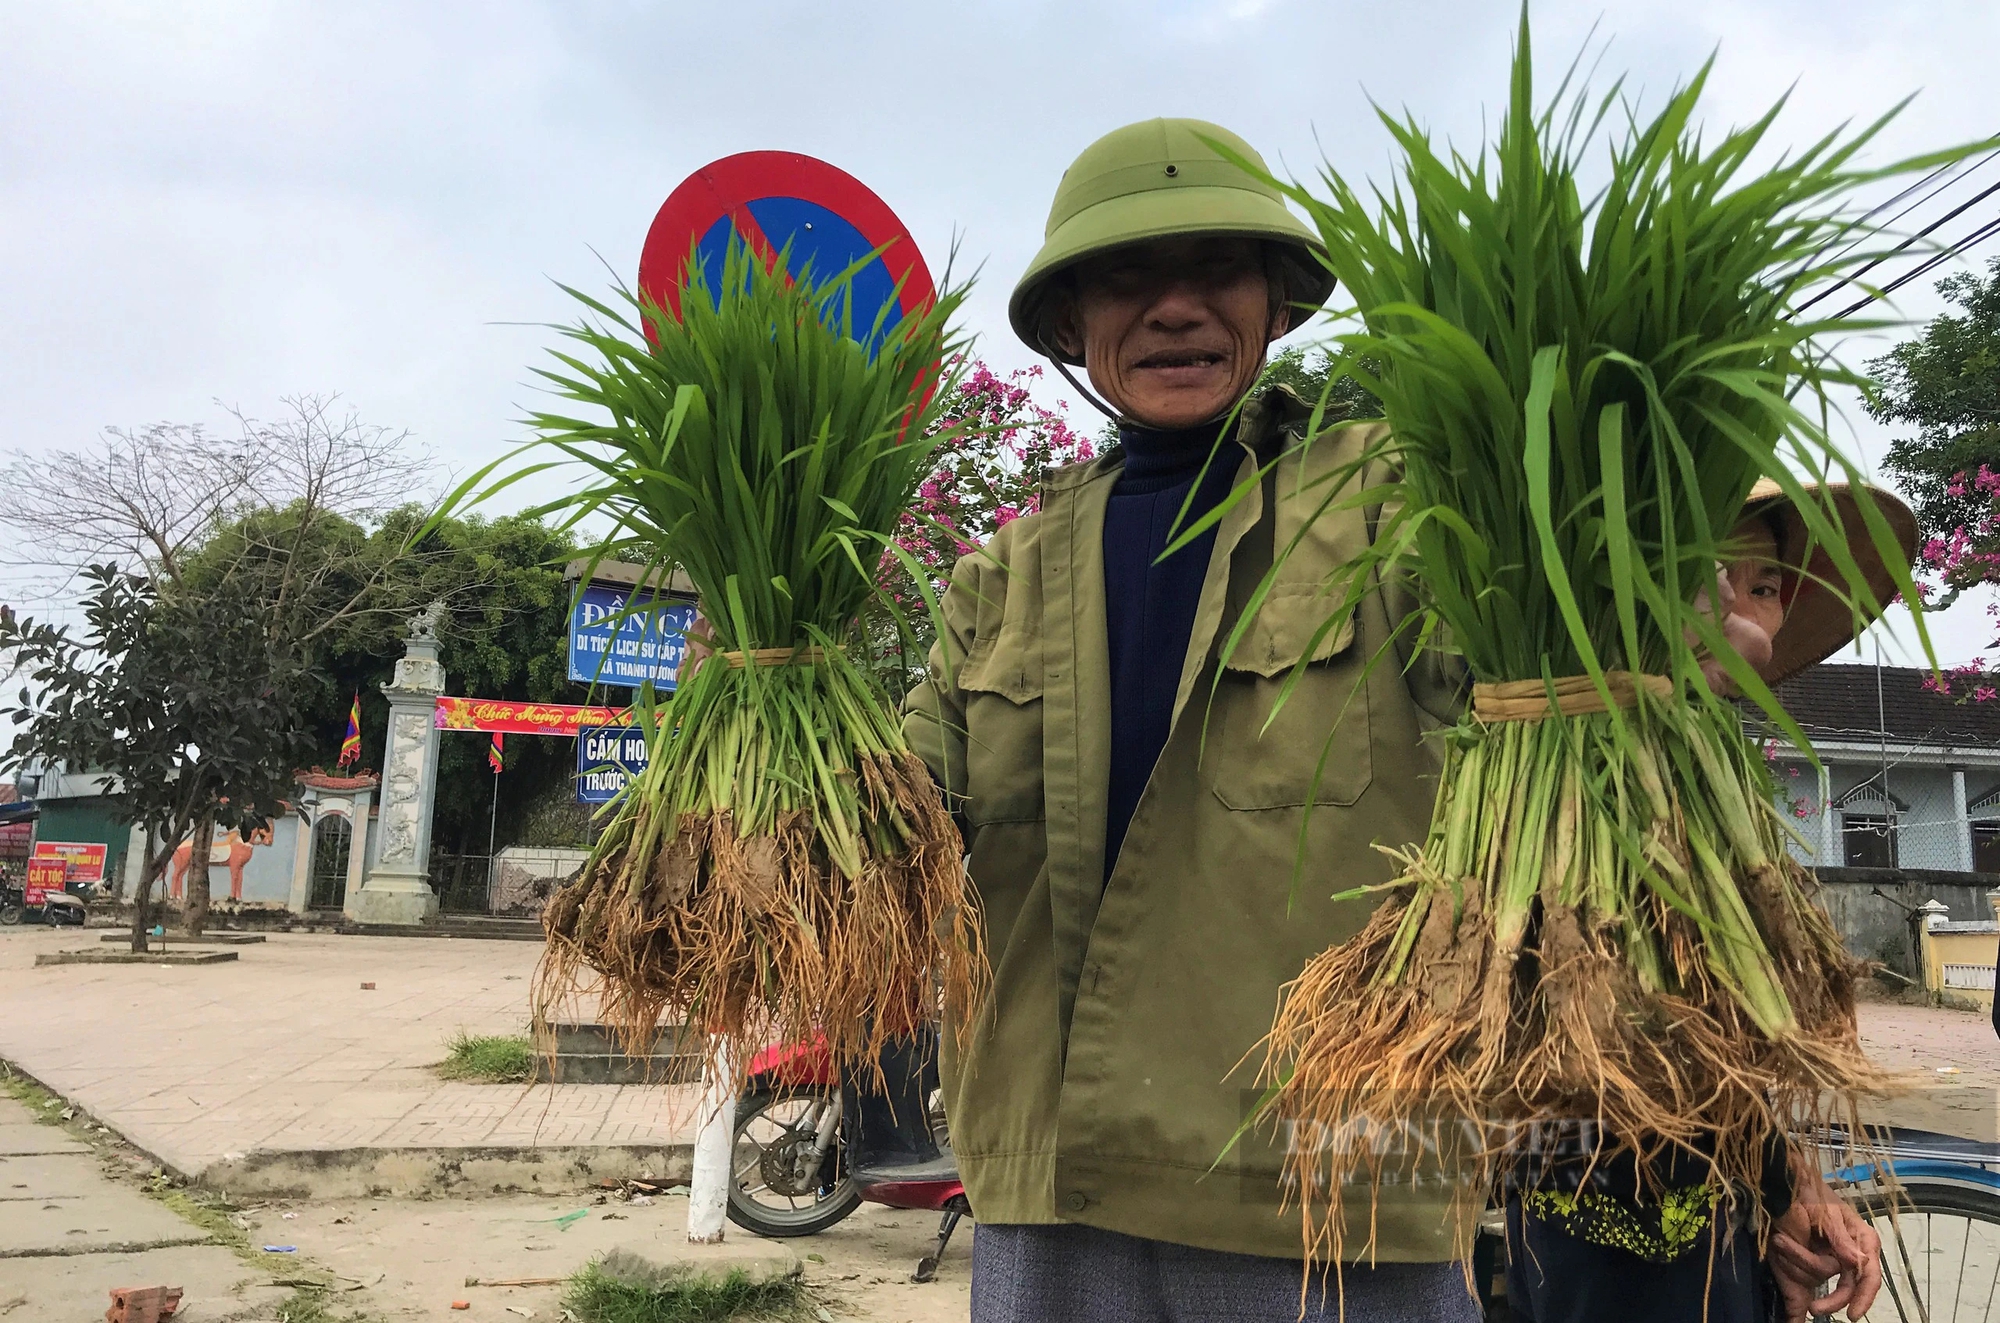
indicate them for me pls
(986, 478)
(1798, 806)
(1965, 557)
(990, 476)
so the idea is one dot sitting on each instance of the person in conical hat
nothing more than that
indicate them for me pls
(1780, 614)
(1134, 820)
(1581, 1246)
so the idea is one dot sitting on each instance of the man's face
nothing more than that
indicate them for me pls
(1173, 332)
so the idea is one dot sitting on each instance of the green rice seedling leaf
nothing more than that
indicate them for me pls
(784, 863)
(1583, 383)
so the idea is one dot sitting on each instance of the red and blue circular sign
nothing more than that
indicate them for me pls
(821, 218)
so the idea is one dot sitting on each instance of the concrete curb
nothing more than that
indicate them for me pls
(111, 1247)
(206, 939)
(366, 1172)
(371, 1172)
(99, 957)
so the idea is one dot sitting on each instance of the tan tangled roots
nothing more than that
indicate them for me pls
(1563, 1033)
(761, 939)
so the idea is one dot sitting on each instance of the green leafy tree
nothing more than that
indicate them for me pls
(504, 634)
(174, 699)
(1944, 385)
(304, 528)
(265, 528)
(1307, 371)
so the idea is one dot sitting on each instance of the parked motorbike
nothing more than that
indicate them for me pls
(811, 1147)
(58, 909)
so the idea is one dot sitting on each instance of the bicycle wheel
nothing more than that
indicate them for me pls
(1940, 1250)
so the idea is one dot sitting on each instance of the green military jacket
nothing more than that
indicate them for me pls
(1116, 1056)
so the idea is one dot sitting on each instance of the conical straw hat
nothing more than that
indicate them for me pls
(1817, 622)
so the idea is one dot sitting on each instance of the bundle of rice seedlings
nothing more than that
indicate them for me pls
(1583, 381)
(784, 865)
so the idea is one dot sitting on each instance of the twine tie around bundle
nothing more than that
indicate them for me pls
(1575, 696)
(810, 654)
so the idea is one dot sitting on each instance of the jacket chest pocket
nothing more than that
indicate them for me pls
(1002, 685)
(1318, 749)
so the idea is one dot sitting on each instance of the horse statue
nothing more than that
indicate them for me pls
(231, 850)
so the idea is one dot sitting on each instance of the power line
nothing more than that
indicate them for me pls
(1978, 236)
(1948, 168)
(1960, 209)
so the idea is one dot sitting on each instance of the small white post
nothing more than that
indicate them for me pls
(1961, 819)
(714, 1149)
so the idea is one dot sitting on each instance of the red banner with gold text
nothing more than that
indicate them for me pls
(501, 716)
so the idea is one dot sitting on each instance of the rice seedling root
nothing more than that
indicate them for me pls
(760, 936)
(1527, 975)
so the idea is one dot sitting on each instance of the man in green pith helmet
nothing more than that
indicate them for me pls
(1097, 709)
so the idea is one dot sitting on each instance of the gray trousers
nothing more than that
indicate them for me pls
(1078, 1274)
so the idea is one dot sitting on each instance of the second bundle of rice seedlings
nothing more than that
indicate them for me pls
(784, 865)
(1586, 364)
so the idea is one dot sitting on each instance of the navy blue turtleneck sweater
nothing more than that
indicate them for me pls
(1149, 604)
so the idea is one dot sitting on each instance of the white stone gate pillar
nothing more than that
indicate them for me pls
(397, 889)
(357, 847)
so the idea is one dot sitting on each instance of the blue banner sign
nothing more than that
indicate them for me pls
(646, 644)
(607, 757)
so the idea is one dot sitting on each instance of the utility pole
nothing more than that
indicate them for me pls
(1882, 730)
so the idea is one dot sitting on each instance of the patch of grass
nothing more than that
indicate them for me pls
(622, 1288)
(208, 1211)
(309, 1304)
(46, 1107)
(488, 1059)
(51, 1108)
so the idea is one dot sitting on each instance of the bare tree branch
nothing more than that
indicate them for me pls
(143, 498)
(265, 512)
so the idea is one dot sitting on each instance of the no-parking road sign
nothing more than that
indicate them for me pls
(822, 218)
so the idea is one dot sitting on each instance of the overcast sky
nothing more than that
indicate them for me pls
(231, 202)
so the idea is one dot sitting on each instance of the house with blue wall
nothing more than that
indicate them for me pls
(1904, 805)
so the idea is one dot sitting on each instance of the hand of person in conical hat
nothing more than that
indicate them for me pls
(698, 647)
(1750, 590)
(1821, 1238)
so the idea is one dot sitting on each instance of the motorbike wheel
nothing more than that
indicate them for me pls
(11, 911)
(768, 1194)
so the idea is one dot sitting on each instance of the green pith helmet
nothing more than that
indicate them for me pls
(1150, 180)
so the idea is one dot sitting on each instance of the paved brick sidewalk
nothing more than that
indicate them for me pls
(283, 1050)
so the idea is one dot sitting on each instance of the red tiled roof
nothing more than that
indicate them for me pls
(319, 780)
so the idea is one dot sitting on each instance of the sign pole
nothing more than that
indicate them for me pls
(822, 219)
(714, 1148)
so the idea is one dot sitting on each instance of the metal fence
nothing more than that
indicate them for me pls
(1875, 839)
(463, 882)
(1914, 840)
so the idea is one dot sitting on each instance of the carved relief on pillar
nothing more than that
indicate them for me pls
(424, 675)
(403, 787)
